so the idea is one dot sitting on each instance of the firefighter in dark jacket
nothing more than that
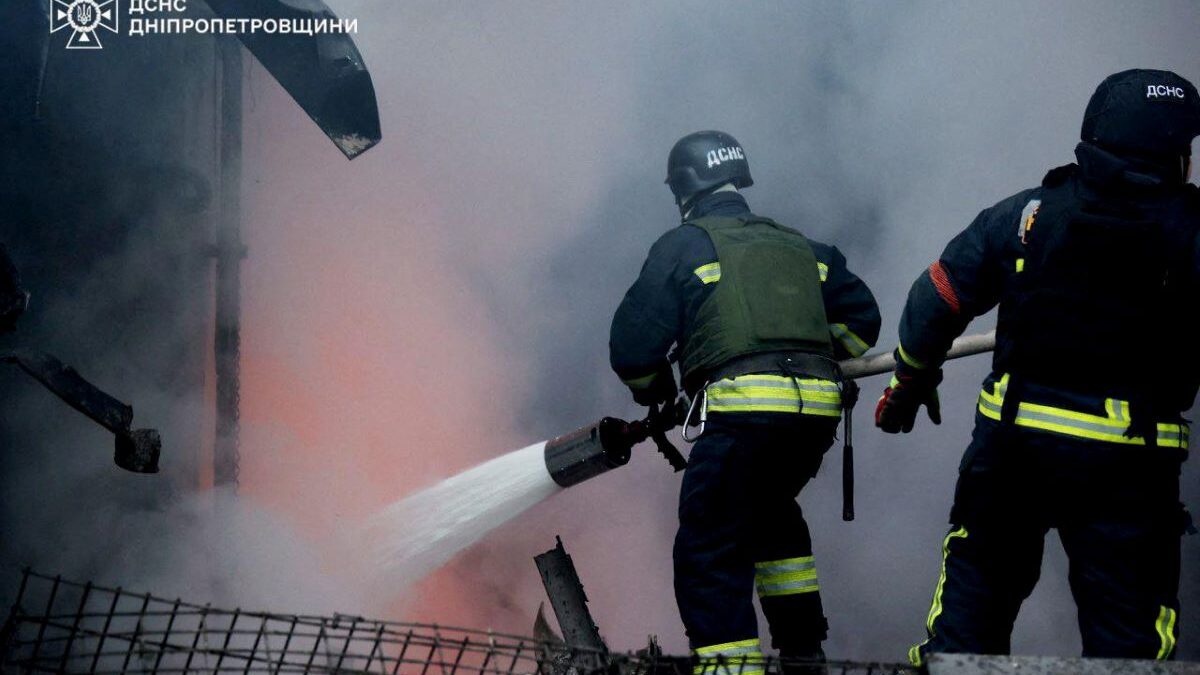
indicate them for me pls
(758, 313)
(1079, 425)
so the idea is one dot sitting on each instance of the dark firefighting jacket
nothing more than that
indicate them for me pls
(681, 272)
(1095, 275)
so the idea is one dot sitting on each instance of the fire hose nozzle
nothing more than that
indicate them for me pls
(589, 451)
(592, 450)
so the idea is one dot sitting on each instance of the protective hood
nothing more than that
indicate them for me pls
(1103, 168)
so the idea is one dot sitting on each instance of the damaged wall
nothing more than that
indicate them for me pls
(108, 198)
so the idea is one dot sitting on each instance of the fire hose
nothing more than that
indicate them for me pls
(598, 448)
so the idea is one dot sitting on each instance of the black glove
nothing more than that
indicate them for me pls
(661, 389)
(910, 389)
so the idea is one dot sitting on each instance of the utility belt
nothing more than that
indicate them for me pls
(1112, 427)
(787, 362)
(791, 363)
(782, 382)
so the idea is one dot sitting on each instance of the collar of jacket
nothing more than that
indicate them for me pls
(1102, 168)
(719, 204)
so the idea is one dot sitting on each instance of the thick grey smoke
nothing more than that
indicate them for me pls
(108, 194)
(540, 131)
(446, 297)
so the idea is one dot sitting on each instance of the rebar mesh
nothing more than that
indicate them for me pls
(61, 626)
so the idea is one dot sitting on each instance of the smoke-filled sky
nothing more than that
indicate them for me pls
(446, 297)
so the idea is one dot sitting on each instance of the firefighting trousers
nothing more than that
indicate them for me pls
(1117, 512)
(741, 530)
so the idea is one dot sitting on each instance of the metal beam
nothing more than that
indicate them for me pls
(568, 599)
(229, 251)
(137, 450)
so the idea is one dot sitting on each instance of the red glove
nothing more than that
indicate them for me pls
(909, 390)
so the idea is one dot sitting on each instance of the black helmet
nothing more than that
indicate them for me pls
(705, 160)
(1147, 112)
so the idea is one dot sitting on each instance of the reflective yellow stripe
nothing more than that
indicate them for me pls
(1081, 425)
(909, 359)
(823, 271)
(710, 273)
(1020, 264)
(853, 344)
(789, 587)
(988, 409)
(1166, 632)
(640, 382)
(935, 609)
(775, 393)
(802, 384)
(1109, 429)
(790, 576)
(914, 655)
(729, 648)
(743, 657)
(766, 406)
(784, 565)
(1118, 410)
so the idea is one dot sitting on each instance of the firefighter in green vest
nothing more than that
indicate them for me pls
(758, 314)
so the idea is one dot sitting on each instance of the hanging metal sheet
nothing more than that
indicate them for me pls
(324, 72)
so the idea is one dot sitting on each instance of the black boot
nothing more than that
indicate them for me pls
(809, 661)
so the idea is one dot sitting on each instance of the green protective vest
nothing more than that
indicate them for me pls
(768, 297)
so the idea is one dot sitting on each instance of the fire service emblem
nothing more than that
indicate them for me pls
(84, 18)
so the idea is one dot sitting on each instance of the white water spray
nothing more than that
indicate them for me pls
(422, 532)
